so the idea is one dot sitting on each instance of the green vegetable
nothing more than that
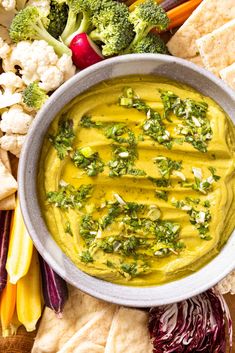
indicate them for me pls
(29, 24)
(162, 195)
(58, 18)
(152, 43)
(34, 96)
(70, 197)
(88, 160)
(79, 19)
(86, 257)
(112, 28)
(64, 137)
(87, 123)
(146, 16)
(167, 165)
(153, 125)
(196, 126)
(123, 161)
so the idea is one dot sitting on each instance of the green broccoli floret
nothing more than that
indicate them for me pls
(30, 24)
(153, 43)
(79, 19)
(113, 28)
(146, 16)
(57, 17)
(34, 96)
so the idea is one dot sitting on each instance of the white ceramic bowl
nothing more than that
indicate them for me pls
(163, 65)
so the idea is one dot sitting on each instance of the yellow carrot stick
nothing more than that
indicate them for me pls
(15, 324)
(7, 307)
(20, 248)
(28, 298)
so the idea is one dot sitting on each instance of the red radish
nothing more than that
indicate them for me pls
(84, 52)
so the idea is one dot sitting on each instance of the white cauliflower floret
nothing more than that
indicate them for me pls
(8, 5)
(10, 84)
(227, 285)
(42, 5)
(12, 143)
(15, 121)
(4, 49)
(39, 62)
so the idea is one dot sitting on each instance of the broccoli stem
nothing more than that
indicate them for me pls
(138, 37)
(59, 47)
(71, 25)
(83, 28)
(96, 36)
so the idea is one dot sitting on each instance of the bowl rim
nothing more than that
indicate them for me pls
(134, 296)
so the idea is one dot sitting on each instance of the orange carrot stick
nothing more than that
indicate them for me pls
(7, 306)
(182, 10)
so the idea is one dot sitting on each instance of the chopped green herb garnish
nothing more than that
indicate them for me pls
(207, 203)
(160, 182)
(123, 162)
(195, 124)
(120, 133)
(201, 220)
(153, 125)
(213, 171)
(167, 165)
(64, 137)
(162, 195)
(86, 257)
(88, 160)
(68, 228)
(87, 123)
(130, 269)
(88, 228)
(70, 197)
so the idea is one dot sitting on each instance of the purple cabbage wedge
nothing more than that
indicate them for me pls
(194, 325)
(5, 225)
(55, 291)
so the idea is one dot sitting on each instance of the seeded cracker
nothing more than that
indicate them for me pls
(228, 75)
(209, 15)
(217, 49)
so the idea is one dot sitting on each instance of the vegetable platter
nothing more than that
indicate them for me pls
(42, 44)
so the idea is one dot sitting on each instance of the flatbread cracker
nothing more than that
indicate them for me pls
(53, 333)
(8, 183)
(208, 16)
(129, 332)
(217, 49)
(92, 337)
(228, 75)
(7, 203)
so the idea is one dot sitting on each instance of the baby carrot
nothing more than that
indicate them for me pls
(7, 306)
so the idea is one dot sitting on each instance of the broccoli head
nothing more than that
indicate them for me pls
(79, 19)
(113, 28)
(146, 16)
(57, 17)
(34, 96)
(30, 24)
(153, 43)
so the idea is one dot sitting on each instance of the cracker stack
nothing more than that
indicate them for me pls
(207, 38)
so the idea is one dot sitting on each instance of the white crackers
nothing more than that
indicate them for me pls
(228, 75)
(217, 49)
(209, 15)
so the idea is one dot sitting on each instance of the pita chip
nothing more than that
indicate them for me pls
(217, 49)
(208, 16)
(228, 75)
(7, 203)
(93, 336)
(8, 183)
(129, 332)
(53, 333)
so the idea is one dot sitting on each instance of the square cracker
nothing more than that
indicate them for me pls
(208, 16)
(217, 49)
(228, 75)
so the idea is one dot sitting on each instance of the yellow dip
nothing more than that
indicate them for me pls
(135, 191)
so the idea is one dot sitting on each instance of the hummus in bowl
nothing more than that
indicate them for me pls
(136, 180)
(126, 180)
